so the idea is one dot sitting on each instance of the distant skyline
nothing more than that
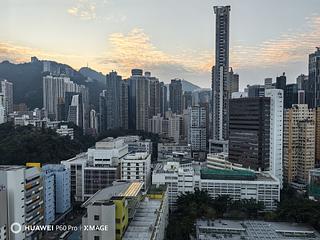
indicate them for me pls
(169, 38)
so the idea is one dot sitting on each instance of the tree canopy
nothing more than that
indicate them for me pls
(21, 144)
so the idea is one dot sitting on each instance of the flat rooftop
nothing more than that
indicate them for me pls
(11, 167)
(123, 189)
(143, 224)
(254, 230)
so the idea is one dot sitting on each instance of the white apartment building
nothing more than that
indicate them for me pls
(137, 166)
(65, 131)
(276, 132)
(24, 199)
(237, 184)
(178, 178)
(6, 89)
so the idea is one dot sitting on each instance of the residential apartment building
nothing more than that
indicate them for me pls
(198, 129)
(25, 204)
(276, 132)
(57, 189)
(6, 90)
(298, 143)
(175, 93)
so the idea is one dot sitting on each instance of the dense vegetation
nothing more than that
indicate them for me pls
(191, 206)
(19, 145)
(295, 207)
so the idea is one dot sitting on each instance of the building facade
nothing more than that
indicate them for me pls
(313, 83)
(137, 167)
(276, 132)
(175, 100)
(220, 74)
(249, 132)
(299, 143)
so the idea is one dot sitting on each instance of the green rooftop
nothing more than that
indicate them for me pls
(227, 174)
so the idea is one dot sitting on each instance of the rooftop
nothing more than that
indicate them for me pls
(227, 174)
(143, 224)
(253, 230)
(125, 189)
(136, 156)
(10, 167)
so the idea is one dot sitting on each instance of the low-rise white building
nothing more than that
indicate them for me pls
(64, 130)
(100, 166)
(107, 152)
(236, 183)
(136, 166)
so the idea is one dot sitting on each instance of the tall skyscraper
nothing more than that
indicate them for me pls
(291, 95)
(6, 89)
(113, 92)
(154, 99)
(198, 129)
(220, 75)
(268, 83)
(299, 143)
(313, 85)
(276, 131)
(163, 99)
(139, 90)
(113, 103)
(317, 136)
(302, 81)
(175, 91)
(57, 97)
(234, 81)
(187, 99)
(53, 93)
(124, 104)
(3, 117)
(256, 91)
(75, 113)
(249, 132)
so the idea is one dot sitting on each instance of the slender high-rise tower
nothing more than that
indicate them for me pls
(220, 75)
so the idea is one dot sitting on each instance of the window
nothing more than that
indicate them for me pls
(96, 238)
(96, 217)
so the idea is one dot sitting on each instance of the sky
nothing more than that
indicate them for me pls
(170, 38)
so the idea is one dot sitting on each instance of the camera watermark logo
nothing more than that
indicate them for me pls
(16, 228)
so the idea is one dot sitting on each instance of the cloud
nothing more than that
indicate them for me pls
(19, 54)
(84, 9)
(290, 47)
(135, 50)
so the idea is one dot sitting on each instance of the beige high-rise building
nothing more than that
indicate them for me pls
(298, 143)
(317, 157)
